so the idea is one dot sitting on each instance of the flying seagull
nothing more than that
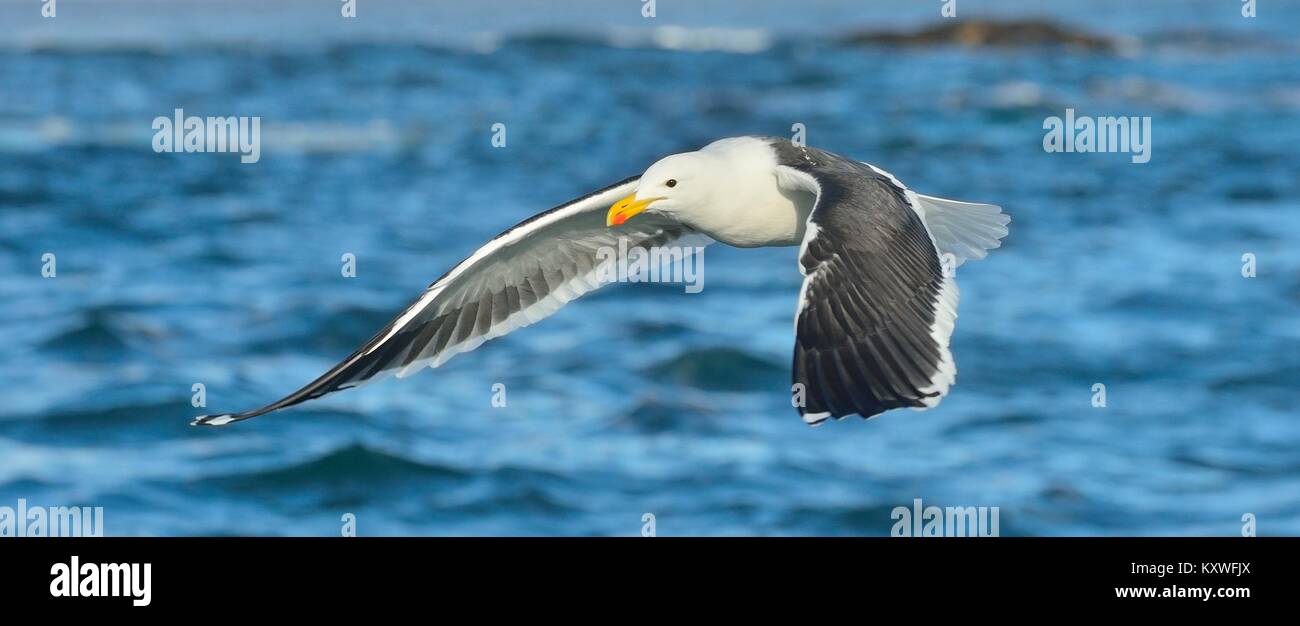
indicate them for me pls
(875, 312)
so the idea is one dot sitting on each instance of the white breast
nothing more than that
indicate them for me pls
(749, 209)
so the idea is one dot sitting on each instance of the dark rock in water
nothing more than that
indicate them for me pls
(987, 33)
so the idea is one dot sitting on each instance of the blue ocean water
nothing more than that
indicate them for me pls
(176, 269)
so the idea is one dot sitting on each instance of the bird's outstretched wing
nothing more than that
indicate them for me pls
(877, 305)
(521, 276)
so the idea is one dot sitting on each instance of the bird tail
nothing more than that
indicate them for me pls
(966, 230)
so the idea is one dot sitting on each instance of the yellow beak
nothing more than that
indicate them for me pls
(624, 209)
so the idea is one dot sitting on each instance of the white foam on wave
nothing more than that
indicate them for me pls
(687, 39)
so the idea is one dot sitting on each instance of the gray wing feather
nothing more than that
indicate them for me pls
(520, 277)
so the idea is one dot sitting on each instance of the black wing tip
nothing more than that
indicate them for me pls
(824, 415)
(220, 419)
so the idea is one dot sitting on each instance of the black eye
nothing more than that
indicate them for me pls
(672, 182)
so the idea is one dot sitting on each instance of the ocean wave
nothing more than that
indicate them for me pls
(1253, 463)
(352, 466)
(512, 498)
(867, 519)
(657, 416)
(331, 333)
(722, 369)
(96, 336)
(126, 423)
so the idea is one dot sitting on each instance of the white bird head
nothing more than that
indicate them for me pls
(728, 190)
(676, 185)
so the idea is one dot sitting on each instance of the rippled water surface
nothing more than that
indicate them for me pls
(177, 269)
